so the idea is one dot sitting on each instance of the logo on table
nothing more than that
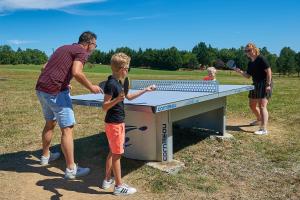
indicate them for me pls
(128, 129)
(166, 107)
(164, 142)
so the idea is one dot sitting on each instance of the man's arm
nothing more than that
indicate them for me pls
(43, 67)
(81, 78)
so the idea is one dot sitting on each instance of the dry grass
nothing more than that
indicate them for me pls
(249, 167)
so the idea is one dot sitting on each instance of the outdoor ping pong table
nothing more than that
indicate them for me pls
(149, 118)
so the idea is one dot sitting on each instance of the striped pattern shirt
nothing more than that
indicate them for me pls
(58, 72)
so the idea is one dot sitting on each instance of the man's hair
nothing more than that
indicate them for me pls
(119, 60)
(87, 37)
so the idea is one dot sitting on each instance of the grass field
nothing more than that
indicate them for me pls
(248, 167)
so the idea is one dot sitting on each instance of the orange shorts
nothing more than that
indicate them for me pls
(115, 133)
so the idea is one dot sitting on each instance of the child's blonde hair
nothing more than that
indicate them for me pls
(212, 70)
(253, 48)
(118, 61)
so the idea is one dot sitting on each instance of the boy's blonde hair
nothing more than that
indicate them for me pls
(253, 48)
(212, 70)
(118, 61)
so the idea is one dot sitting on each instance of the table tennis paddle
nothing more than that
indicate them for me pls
(231, 64)
(126, 86)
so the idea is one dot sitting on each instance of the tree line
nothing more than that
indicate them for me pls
(28, 56)
(288, 61)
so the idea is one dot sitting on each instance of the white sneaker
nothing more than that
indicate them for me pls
(261, 132)
(52, 156)
(124, 190)
(107, 184)
(76, 172)
(254, 123)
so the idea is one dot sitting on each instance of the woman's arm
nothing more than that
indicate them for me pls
(243, 73)
(269, 79)
(269, 76)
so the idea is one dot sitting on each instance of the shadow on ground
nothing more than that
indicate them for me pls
(184, 137)
(239, 128)
(89, 151)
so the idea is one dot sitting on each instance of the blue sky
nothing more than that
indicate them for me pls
(48, 24)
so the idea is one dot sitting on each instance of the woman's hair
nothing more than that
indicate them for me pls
(253, 48)
(119, 60)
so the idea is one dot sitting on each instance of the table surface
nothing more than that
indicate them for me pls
(168, 99)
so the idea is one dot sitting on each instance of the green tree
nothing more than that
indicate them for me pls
(97, 57)
(202, 53)
(108, 57)
(241, 59)
(272, 58)
(189, 60)
(168, 59)
(297, 57)
(286, 63)
(6, 55)
(18, 57)
(212, 55)
(138, 59)
(150, 58)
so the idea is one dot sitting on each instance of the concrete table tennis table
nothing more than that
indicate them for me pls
(149, 118)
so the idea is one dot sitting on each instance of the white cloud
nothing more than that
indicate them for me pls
(142, 17)
(20, 42)
(10, 5)
(89, 12)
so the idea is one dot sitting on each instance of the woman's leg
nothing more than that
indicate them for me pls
(262, 103)
(253, 106)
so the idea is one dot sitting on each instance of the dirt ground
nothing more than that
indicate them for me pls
(23, 178)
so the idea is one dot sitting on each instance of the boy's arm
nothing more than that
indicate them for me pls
(141, 92)
(108, 103)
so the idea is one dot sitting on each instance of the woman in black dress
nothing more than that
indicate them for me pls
(260, 71)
